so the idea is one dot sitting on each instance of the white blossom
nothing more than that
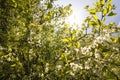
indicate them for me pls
(80, 66)
(9, 59)
(59, 67)
(83, 50)
(1, 48)
(75, 67)
(46, 69)
(42, 75)
(87, 66)
(72, 74)
(90, 53)
(97, 55)
(67, 52)
(116, 49)
(76, 49)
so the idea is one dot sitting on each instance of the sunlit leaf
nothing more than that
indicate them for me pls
(92, 23)
(69, 45)
(78, 44)
(13, 65)
(65, 40)
(102, 2)
(92, 11)
(104, 12)
(95, 17)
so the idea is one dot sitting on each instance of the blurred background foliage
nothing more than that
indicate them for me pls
(37, 44)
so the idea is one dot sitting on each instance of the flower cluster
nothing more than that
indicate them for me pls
(58, 67)
(75, 66)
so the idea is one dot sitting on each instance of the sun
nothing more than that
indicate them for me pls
(73, 19)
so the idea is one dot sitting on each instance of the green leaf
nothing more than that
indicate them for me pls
(109, 7)
(110, 79)
(69, 45)
(78, 44)
(63, 56)
(92, 23)
(13, 65)
(111, 13)
(100, 22)
(66, 25)
(92, 11)
(95, 17)
(65, 40)
(110, 1)
(102, 2)
(14, 3)
(87, 6)
(49, 6)
(104, 12)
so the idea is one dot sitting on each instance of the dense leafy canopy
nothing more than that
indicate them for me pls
(37, 44)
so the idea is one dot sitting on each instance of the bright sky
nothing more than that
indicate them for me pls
(79, 12)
